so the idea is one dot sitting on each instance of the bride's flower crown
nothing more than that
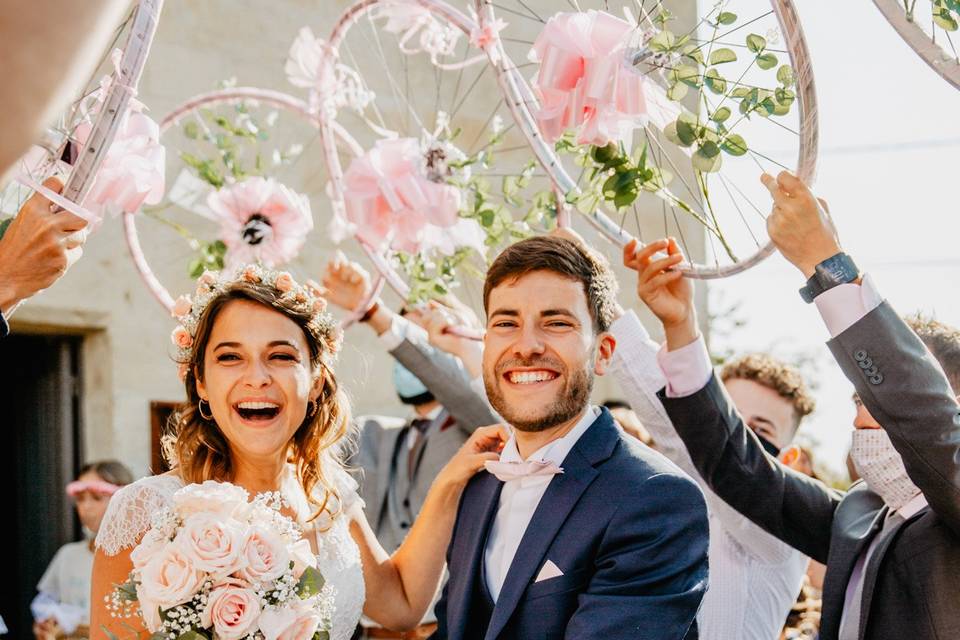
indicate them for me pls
(305, 298)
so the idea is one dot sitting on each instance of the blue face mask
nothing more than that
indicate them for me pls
(408, 386)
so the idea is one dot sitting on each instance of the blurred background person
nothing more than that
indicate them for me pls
(628, 420)
(61, 608)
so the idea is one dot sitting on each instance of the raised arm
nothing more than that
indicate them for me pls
(726, 454)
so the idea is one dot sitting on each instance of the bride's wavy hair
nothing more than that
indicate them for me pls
(197, 448)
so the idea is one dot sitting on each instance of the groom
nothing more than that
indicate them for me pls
(579, 531)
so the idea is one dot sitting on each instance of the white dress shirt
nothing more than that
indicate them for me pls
(519, 500)
(754, 577)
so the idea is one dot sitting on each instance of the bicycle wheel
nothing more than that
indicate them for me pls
(929, 27)
(81, 146)
(445, 177)
(655, 119)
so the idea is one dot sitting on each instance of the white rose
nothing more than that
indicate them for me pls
(210, 497)
(289, 623)
(212, 543)
(302, 556)
(265, 556)
(232, 611)
(170, 578)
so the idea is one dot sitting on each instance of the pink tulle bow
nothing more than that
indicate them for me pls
(585, 81)
(507, 471)
(389, 200)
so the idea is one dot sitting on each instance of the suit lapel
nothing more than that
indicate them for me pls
(480, 502)
(387, 452)
(558, 501)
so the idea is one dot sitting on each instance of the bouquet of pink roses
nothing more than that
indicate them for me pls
(216, 565)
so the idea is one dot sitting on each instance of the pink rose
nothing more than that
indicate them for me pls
(289, 624)
(181, 337)
(149, 611)
(302, 556)
(284, 282)
(319, 305)
(169, 579)
(212, 543)
(300, 297)
(210, 497)
(208, 279)
(250, 274)
(314, 288)
(182, 306)
(150, 546)
(232, 611)
(265, 555)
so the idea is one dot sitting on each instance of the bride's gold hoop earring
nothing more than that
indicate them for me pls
(202, 414)
(314, 408)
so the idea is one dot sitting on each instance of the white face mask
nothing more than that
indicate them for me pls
(881, 466)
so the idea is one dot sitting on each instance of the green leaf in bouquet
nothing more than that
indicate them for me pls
(722, 56)
(726, 18)
(321, 635)
(734, 144)
(785, 75)
(128, 590)
(311, 582)
(4, 224)
(755, 43)
(767, 61)
(192, 635)
(714, 81)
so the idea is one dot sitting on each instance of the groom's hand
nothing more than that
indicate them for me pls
(662, 287)
(798, 226)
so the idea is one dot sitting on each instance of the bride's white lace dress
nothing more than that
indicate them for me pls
(131, 508)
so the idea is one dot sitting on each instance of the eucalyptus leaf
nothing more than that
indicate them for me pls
(721, 115)
(686, 133)
(785, 75)
(756, 43)
(740, 93)
(715, 82)
(734, 144)
(624, 199)
(191, 130)
(4, 224)
(945, 20)
(705, 163)
(311, 582)
(663, 41)
(709, 149)
(678, 92)
(687, 74)
(321, 635)
(722, 56)
(767, 61)
(726, 17)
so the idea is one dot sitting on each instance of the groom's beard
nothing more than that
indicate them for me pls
(569, 403)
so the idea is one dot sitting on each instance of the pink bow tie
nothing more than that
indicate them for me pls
(507, 471)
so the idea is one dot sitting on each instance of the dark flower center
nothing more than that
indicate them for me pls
(257, 229)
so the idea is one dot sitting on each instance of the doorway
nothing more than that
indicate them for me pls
(40, 391)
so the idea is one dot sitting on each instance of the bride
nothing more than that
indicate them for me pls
(265, 412)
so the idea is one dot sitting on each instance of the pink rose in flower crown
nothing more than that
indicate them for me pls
(207, 279)
(250, 274)
(261, 220)
(289, 623)
(265, 555)
(181, 337)
(212, 498)
(284, 282)
(170, 578)
(182, 306)
(232, 611)
(212, 543)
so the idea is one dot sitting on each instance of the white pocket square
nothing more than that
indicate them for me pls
(548, 571)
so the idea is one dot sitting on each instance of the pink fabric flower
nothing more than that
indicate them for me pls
(181, 338)
(182, 306)
(585, 82)
(284, 282)
(483, 37)
(389, 200)
(232, 611)
(261, 221)
(250, 274)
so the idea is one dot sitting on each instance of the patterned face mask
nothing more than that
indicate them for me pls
(881, 466)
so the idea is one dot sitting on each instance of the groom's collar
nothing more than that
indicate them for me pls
(556, 450)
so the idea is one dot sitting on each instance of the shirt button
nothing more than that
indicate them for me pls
(404, 525)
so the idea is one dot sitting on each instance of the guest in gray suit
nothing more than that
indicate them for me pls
(892, 543)
(398, 459)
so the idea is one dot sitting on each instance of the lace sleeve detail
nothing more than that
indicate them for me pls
(347, 487)
(130, 510)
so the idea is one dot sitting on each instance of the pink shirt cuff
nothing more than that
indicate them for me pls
(687, 370)
(842, 306)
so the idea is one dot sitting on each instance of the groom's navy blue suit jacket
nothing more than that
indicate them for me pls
(627, 529)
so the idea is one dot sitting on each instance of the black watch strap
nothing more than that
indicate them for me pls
(835, 270)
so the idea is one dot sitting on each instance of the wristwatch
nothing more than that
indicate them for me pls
(837, 269)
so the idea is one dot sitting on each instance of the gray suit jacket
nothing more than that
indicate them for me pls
(912, 582)
(382, 440)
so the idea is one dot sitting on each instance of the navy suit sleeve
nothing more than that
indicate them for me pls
(4, 327)
(651, 568)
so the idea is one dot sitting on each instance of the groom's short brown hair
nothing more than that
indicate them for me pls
(563, 257)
